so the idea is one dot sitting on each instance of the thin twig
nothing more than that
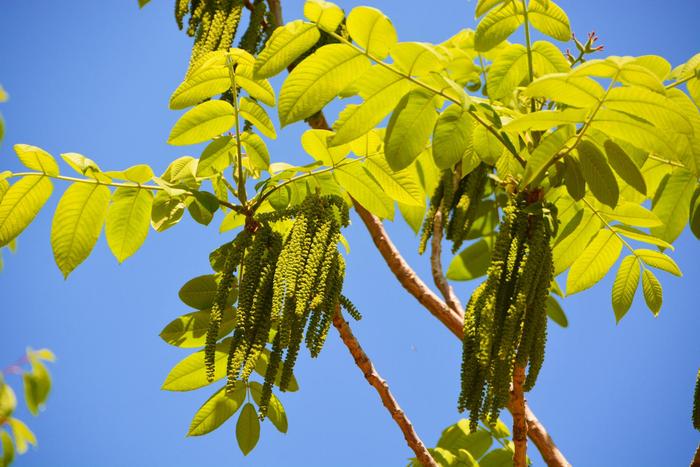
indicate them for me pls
(377, 382)
(436, 265)
(696, 458)
(519, 419)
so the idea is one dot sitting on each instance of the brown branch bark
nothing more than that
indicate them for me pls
(519, 420)
(377, 382)
(696, 459)
(436, 265)
(452, 319)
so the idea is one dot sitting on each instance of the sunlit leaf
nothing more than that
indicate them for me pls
(595, 262)
(625, 286)
(216, 410)
(20, 205)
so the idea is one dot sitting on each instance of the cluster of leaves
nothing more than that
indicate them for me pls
(189, 331)
(458, 446)
(37, 385)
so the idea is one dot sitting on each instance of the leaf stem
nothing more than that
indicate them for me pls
(242, 197)
(528, 44)
(679, 82)
(609, 227)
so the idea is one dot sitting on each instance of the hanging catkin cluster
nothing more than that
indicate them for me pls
(696, 403)
(505, 323)
(457, 204)
(212, 23)
(290, 286)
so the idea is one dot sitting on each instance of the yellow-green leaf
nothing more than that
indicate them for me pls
(543, 155)
(625, 167)
(403, 185)
(256, 150)
(128, 220)
(216, 410)
(255, 114)
(485, 5)
(595, 262)
(496, 26)
(326, 14)
(576, 91)
(653, 292)
(381, 90)
(625, 286)
(598, 174)
(317, 80)
(203, 122)
(657, 109)
(630, 214)
(452, 136)
(658, 260)
(372, 31)
(248, 429)
(315, 143)
(355, 180)
(77, 224)
(217, 156)
(36, 159)
(548, 18)
(20, 205)
(286, 44)
(546, 119)
(190, 330)
(622, 69)
(275, 410)
(471, 263)
(672, 204)
(409, 128)
(190, 373)
(8, 448)
(417, 58)
(22, 434)
(568, 248)
(635, 234)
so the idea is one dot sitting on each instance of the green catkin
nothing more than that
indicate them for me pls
(225, 280)
(696, 403)
(252, 35)
(233, 18)
(270, 375)
(505, 319)
(465, 204)
(427, 229)
(181, 9)
(350, 308)
(197, 9)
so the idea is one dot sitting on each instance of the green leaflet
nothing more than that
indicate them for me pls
(77, 224)
(8, 448)
(625, 286)
(622, 69)
(595, 262)
(256, 150)
(357, 182)
(635, 234)
(672, 204)
(485, 5)
(452, 136)
(409, 128)
(372, 31)
(486, 146)
(548, 18)
(20, 205)
(657, 109)
(576, 91)
(199, 292)
(497, 26)
(657, 65)
(217, 156)
(471, 263)
(326, 14)
(315, 143)
(402, 186)
(36, 159)
(625, 167)
(543, 155)
(510, 68)
(190, 330)
(459, 436)
(167, 211)
(417, 58)
(190, 373)
(546, 119)
(573, 178)
(216, 410)
(694, 218)
(37, 385)
(255, 114)
(317, 80)
(653, 292)
(248, 429)
(658, 260)
(128, 220)
(286, 44)
(597, 172)
(556, 313)
(630, 214)
(381, 90)
(413, 215)
(275, 410)
(203, 122)
(22, 434)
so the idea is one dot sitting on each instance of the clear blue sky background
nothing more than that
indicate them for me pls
(95, 77)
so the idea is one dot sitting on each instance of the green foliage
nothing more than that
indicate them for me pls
(37, 385)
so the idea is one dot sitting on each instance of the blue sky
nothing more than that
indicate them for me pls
(95, 77)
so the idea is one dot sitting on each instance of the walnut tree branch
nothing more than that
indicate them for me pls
(377, 382)
(436, 265)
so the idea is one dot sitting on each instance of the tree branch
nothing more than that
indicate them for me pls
(517, 401)
(436, 265)
(696, 459)
(375, 380)
(416, 287)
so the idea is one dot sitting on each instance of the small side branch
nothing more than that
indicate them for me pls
(377, 382)
(696, 459)
(436, 265)
(519, 419)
